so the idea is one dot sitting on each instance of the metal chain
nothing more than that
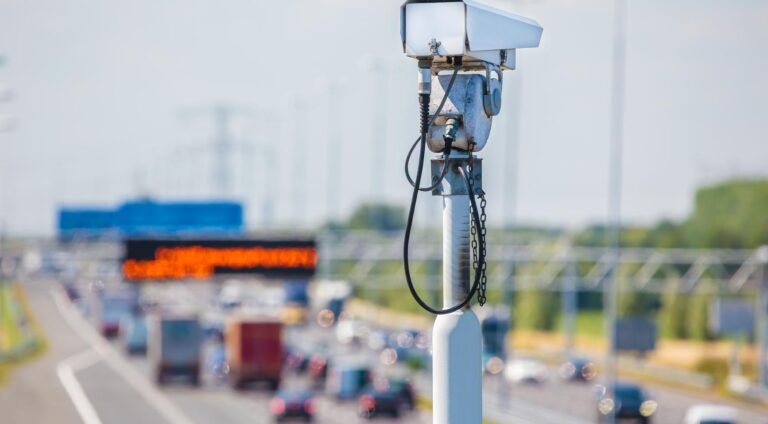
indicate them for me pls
(481, 292)
(472, 229)
(481, 298)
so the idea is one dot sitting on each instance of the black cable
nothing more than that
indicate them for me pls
(447, 148)
(409, 224)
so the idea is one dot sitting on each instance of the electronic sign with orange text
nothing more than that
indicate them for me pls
(184, 259)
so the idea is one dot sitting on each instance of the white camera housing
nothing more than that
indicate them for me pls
(478, 31)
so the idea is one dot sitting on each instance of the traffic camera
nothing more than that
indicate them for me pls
(464, 36)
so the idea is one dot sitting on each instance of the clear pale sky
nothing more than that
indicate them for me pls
(109, 99)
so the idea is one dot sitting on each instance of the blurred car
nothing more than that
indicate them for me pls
(216, 362)
(73, 294)
(494, 328)
(414, 359)
(375, 402)
(407, 338)
(351, 331)
(212, 329)
(293, 404)
(404, 390)
(296, 292)
(711, 414)
(296, 359)
(632, 402)
(335, 306)
(230, 297)
(378, 339)
(493, 364)
(113, 309)
(526, 371)
(317, 368)
(134, 335)
(348, 382)
(578, 369)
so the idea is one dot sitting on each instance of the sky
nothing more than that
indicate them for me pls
(111, 100)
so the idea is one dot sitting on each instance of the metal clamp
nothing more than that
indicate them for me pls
(492, 90)
(453, 183)
(490, 68)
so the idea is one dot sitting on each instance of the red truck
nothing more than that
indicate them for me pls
(254, 351)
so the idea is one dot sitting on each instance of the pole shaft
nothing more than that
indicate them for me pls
(611, 291)
(333, 154)
(222, 115)
(455, 249)
(762, 325)
(569, 307)
(299, 165)
(457, 357)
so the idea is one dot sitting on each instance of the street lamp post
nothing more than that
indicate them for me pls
(6, 125)
(611, 292)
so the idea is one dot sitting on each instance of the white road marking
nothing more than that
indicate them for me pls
(149, 392)
(66, 372)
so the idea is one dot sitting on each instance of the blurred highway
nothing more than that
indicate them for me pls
(119, 389)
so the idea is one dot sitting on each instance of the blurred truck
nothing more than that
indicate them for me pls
(495, 327)
(254, 351)
(175, 346)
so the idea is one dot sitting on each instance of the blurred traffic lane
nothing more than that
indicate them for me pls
(114, 400)
(34, 394)
(554, 401)
(219, 403)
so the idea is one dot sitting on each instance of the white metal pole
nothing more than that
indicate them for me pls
(457, 357)
(762, 309)
(333, 153)
(611, 290)
(299, 169)
(569, 304)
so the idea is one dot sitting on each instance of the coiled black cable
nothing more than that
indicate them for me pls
(447, 148)
(425, 126)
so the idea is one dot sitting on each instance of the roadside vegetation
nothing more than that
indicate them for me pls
(20, 336)
(727, 215)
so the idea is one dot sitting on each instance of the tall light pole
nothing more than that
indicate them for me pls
(299, 164)
(514, 85)
(611, 291)
(378, 68)
(269, 172)
(333, 151)
(6, 125)
(762, 320)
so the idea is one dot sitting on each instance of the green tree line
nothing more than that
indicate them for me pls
(731, 214)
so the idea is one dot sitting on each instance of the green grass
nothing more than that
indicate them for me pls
(587, 323)
(10, 332)
(19, 346)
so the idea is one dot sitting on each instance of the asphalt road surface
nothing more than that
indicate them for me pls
(111, 388)
(83, 378)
